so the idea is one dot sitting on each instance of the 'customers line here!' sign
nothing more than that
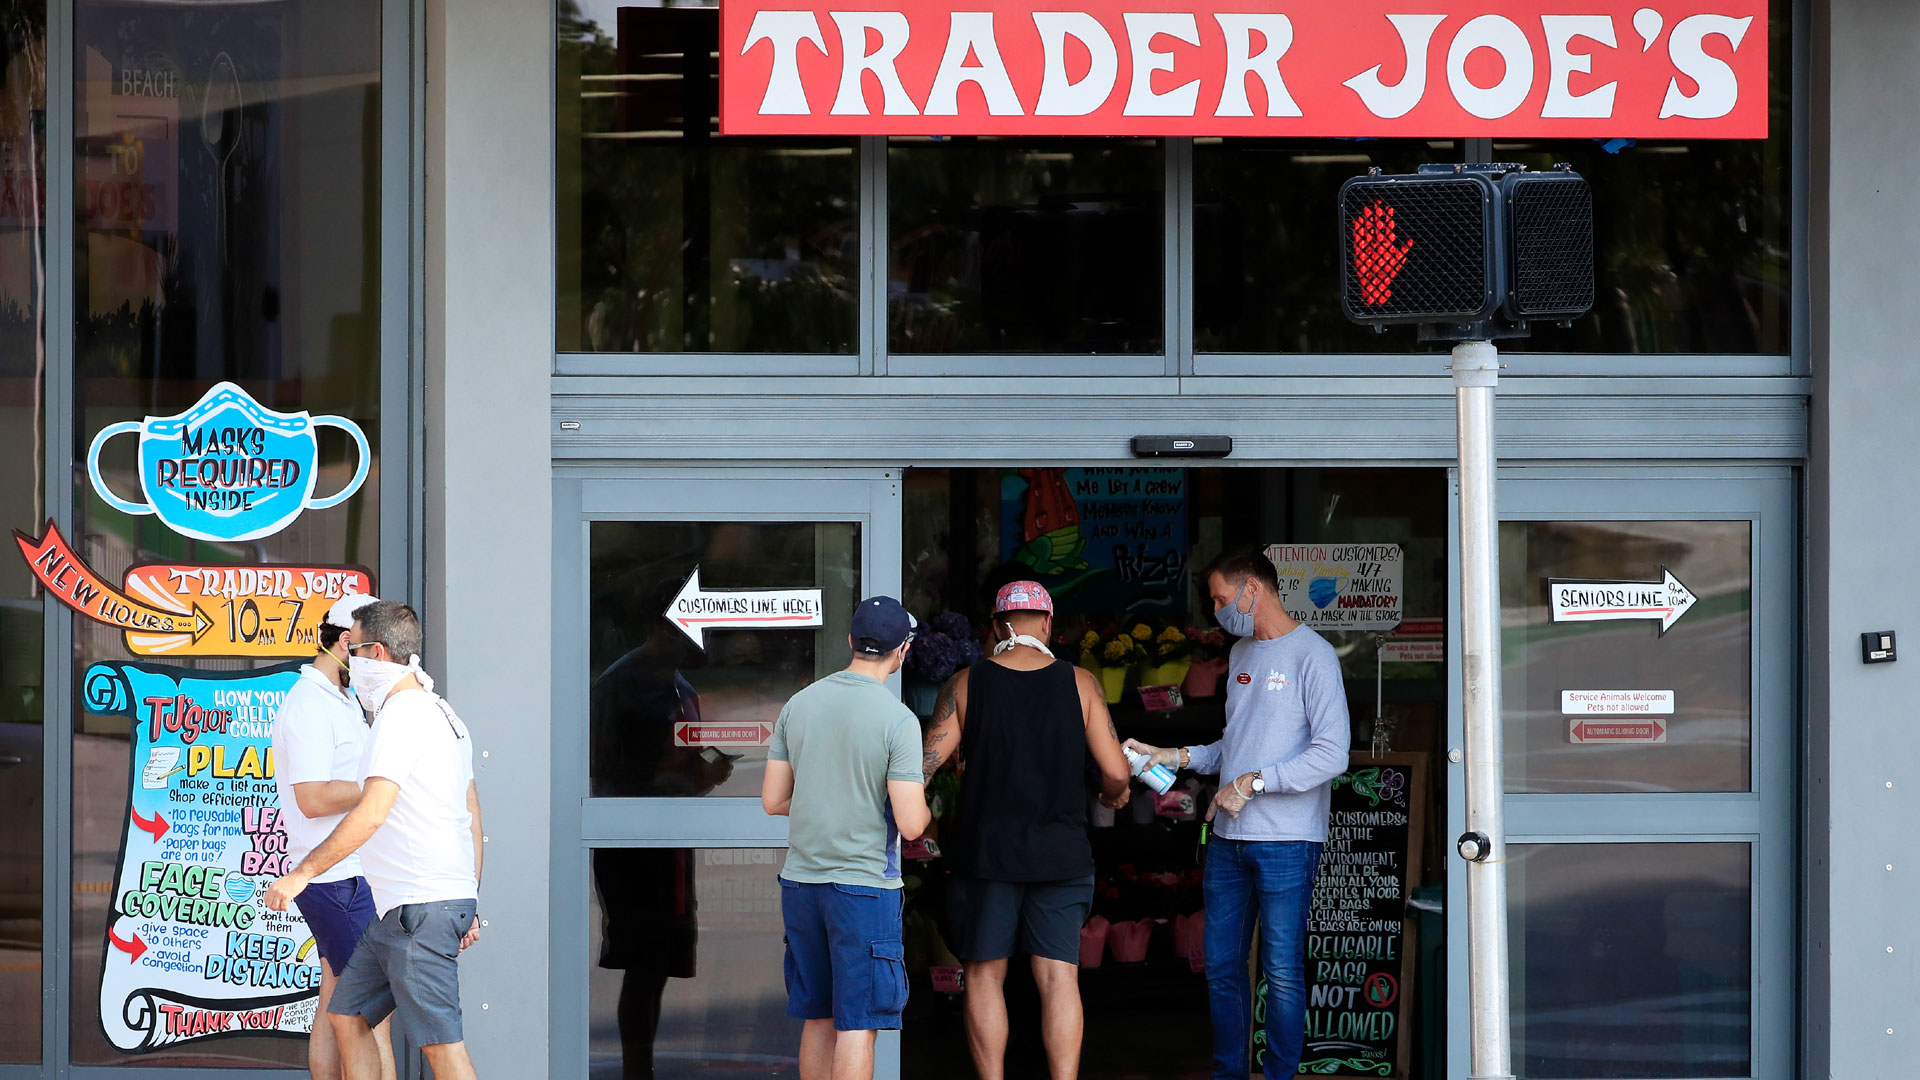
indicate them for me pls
(1443, 68)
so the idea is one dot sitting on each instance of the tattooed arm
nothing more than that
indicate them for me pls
(943, 736)
(1103, 742)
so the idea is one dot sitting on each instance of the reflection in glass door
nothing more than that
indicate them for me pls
(1648, 750)
(667, 954)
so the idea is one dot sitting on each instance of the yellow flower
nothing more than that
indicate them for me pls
(1090, 641)
(1118, 649)
(1172, 635)
(1142, 632)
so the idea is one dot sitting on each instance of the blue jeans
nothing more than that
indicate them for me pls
(1271, 880)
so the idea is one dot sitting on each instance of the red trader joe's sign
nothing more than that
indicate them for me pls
(1672, 69)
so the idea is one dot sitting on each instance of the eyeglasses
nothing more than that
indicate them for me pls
(361, 645)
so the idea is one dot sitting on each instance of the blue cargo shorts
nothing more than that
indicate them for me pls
(337, 912)
(407, 962)
(844, 958)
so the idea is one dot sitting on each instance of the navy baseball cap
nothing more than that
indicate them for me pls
(881, 625)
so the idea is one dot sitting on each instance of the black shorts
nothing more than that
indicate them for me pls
(986, 920)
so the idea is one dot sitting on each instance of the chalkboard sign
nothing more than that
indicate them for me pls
(1360, 947)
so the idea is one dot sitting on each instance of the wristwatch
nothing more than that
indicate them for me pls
(1259, 784)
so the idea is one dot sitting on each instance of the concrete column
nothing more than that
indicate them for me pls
(1862, 939)
(489, 344)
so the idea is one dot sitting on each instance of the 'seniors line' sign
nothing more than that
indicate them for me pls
(1579, 600)
(1445, 68)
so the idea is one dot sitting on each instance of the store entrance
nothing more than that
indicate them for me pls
(1121, 550)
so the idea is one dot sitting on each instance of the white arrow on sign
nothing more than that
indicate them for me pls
(694, 610)
(1579, 600)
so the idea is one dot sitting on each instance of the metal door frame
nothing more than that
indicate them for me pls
(871, 497)
(1764, 816)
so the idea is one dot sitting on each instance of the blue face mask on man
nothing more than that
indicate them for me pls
(1232, 619)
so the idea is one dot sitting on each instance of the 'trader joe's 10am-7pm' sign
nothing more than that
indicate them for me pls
(1443, 68)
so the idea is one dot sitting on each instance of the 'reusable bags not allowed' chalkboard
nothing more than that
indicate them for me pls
(1360, 946)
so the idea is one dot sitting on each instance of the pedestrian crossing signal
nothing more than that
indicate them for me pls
(1477, 251)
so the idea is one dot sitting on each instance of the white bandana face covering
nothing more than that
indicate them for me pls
(1022, 639)
(373, 680)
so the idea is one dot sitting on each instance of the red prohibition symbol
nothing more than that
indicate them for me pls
(1381, 990)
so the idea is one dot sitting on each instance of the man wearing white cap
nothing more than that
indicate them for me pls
(319, 736)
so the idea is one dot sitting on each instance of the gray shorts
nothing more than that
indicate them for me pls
(991, 920)
(407, 962)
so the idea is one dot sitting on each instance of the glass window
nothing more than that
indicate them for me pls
(1265, 248)
(1693, 239)
(228, 229)
(686, 948)
(1630, 960)
(1025, 246)
(672, 239)
(669, 717)
(23, 505)
(1695, 730)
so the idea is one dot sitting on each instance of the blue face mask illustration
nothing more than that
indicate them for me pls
(229, 468)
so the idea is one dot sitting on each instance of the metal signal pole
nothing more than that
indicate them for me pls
(1476, 367)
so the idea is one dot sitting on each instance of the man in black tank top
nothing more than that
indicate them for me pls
(1024, 724)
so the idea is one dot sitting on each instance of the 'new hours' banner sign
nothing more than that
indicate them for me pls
(1444, 68)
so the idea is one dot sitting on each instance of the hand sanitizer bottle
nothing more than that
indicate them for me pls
(1156, 776)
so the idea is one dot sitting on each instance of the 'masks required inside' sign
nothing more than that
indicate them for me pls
(1446, 68)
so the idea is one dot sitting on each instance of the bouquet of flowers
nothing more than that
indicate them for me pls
(1207, 643)
(1209, 662)
(1164, 656)
(945, 645)
(1111, 655)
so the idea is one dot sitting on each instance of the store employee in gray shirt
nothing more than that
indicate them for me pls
(1286, 739)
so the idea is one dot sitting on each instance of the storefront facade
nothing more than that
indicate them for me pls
(611, 345)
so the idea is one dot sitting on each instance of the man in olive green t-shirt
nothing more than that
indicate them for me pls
(844, 765)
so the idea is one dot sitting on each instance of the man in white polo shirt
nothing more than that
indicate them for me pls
(417, 828)
(319, 737)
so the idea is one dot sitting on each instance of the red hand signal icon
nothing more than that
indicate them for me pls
(1376, 259)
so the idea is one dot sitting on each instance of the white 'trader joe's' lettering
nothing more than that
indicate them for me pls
(1562, 62)
(1499, 33)
(1719, 89)
(1141, 30)
(1060, 96)
(856, 61)
(785, 96)
(972, 30)
(1393, 102)
(1238, 28)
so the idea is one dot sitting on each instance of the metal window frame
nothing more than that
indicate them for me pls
(1765, 816)
(402, 187)
(580, 823)
(1178, 356)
